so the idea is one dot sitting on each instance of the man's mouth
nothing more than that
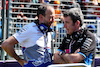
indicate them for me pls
(50, 23)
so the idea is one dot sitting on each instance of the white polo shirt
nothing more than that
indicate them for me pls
(33, 42)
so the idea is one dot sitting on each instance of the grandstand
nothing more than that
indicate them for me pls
(20, 13)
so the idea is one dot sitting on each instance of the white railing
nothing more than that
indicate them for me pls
(69, 65)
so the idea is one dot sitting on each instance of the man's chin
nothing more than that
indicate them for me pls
(49, 24)
(69, 33)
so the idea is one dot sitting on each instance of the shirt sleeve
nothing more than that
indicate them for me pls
(22, 34)
(89, 45)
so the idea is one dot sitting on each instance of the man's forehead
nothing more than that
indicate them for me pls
(51, 15)
(67, 17)
(50, 12)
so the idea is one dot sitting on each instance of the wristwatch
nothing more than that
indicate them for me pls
(61, 53)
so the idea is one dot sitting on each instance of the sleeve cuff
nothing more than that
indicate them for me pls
(82, 54)
(59, 50)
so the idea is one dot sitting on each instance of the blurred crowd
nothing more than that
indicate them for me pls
(90, 7)
(27, 9)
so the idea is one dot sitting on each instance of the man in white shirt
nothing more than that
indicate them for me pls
(34, 39)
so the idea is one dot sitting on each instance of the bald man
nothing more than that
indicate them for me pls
(34, 39)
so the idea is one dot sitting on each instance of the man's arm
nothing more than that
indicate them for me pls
(72, 58)
(8, 46)
(57, 59)
(68, 58)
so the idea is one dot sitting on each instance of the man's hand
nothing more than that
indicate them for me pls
(21, 62)
(78, 50)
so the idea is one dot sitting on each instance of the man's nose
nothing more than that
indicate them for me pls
(64, 26)
(52, 19)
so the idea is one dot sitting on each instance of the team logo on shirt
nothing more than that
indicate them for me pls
(22, 30)
(87, 43)
(42, 60)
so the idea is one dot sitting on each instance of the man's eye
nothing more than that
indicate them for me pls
(49, 17)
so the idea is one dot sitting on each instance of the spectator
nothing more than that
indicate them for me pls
(47, 1)
(0, 33)
(6, 7)
(75, 4)
(82, 4)
(57, 9)
(97, 13)
(57, 16)
(89, 10)
(95, 2)
(66, 3)
(0, 30)
(72, 4)
(78, 46)
(20, 15)
(35, 1)
(92, 29)
(43, 1)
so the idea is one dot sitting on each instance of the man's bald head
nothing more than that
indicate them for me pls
(42, 9)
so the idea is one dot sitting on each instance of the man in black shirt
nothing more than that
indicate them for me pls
(78, 46)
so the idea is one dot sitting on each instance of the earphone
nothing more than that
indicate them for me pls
(76, 35)
(43, 28)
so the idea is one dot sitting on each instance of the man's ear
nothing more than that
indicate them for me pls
(77, 23)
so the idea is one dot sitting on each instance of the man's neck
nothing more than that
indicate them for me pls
(77, 29)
